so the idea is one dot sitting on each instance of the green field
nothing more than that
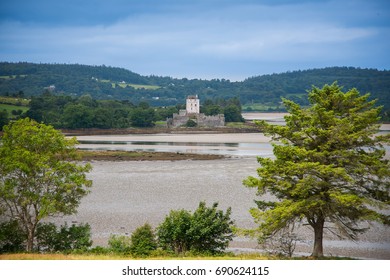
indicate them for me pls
(123, 85)
(11, 77)
(259, 107)
(10, 104)
(10, 108)
(14, 101)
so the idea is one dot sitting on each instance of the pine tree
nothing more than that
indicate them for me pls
(329, 167)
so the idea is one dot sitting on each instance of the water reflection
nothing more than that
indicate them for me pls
(231, 149)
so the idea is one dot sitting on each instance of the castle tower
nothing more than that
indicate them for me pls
(192, 104)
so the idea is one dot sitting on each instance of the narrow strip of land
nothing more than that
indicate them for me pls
(141, 156)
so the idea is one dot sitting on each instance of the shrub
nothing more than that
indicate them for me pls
(12, 237)
(210, 229)
(143, 241)
(119, 244)
(75, 237)
(172, 233)
(206, 231)
(191, 123)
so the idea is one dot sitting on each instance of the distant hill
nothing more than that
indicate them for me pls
(260, 92)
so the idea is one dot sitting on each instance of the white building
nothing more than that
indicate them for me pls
(192, 104)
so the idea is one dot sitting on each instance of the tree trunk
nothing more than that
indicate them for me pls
(318, 238)
(30, 238)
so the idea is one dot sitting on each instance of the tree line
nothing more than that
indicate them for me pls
(85, 112)
(329, 172)
(103, 82)
(62, 111)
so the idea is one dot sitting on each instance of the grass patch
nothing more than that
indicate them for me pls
(14, 101)
(260, 107)
(86, 256)
(144, 86)
(59, 256)
(10, 108)
(10, 77)
(136, 86)
(238, 125)
(88, 155)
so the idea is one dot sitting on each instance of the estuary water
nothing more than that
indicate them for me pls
(245, 144)
(125, 195)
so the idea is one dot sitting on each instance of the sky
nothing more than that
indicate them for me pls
(204, 39)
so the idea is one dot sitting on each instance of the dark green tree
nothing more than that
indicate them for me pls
(12, 237)
(207, 230)
(78, 116)
(50, 238)
(233, 114)
(172, 233)
(3, 118)
(143, 241)
(211, 229)
(329, 169)
(143, 117)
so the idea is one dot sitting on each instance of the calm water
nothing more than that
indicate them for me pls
(252, 145)
(229, 149)
(246, 144)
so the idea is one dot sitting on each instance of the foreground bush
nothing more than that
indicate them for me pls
(143, 241)
(206, 231)
(12, 237)
(119, 244)
(52, 239)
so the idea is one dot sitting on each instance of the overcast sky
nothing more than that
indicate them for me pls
(231, 39)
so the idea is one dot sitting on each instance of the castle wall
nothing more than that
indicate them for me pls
(201, 119)
(211, 121)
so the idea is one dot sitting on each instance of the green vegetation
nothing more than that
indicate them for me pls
(267, 90)
(86, 112)
(38, 180)
(140, 155)
(125, 85)
(110, 256)
(329, 170)
(206, 231)
(16, 101)
(231, 108)
(143, 241)
(13, 109)
(63, 111)
(49, 238)
(262, 107)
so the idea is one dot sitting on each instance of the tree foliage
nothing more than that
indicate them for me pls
(119, 244)
(329, 169)
(231, 108)
(38, 178)
(207, 230)
(3, 118)
(12, 237)
(64, 239)
(143, 241)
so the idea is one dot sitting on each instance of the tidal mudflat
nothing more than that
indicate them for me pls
(125, 195)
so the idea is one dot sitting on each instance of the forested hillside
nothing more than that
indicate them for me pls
(255, 93)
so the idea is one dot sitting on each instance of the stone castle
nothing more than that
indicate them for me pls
(192, 112)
